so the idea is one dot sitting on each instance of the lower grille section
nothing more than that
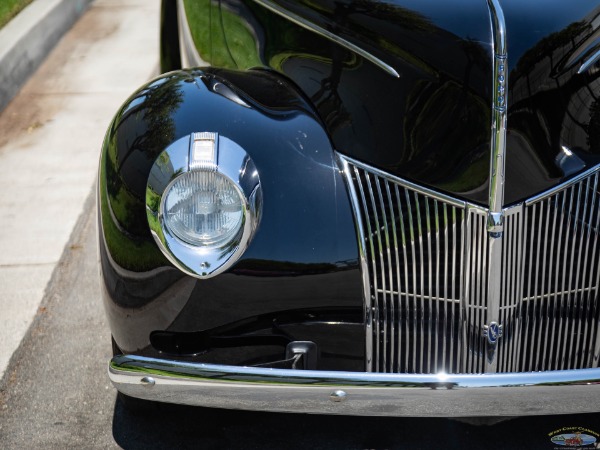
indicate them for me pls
(558, 301)
(425, 259)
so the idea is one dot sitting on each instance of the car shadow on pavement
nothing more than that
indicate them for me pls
(155, 426)
(178, 426)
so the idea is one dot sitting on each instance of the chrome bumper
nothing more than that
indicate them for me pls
(357, 393)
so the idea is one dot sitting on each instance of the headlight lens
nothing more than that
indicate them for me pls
(203, 208)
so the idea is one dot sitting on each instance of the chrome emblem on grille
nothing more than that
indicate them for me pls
(492, 332)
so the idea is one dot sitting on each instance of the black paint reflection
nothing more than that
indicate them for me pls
(432, 125)
(552, 119)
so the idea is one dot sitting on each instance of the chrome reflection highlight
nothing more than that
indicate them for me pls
(589, 62)
(427, 272)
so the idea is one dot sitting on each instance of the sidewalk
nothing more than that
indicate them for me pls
(28, 38)
(50, 137)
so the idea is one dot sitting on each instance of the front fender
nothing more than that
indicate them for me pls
(304, 255)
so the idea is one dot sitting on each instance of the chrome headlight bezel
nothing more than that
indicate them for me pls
(206, 152)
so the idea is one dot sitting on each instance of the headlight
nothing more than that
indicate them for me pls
(203, 202)
(204, 209)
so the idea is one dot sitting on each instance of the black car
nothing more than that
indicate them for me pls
(360, 207)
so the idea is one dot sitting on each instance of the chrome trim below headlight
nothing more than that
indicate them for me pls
(356, 393)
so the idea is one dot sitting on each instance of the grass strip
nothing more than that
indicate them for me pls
(10, 8)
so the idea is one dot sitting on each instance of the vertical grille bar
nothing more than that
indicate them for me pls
(421, 331)
(395, 335)
(483, 319)
(433, 281)
(473, 320)
(569, 278)
(510, 288)
(563, 275)
(584, 311)
(529, 312)
(544, 310)
(518, 319)
(579, 301)
(593, 295)
(551, 305)
(476, 257)
(387, 280)
(429, 316)
(504, 283)
(462, 293)
(413, 303)
(470, 294)
(571, 298)
(559, 200)
(595, 269)
(371, 313)
(404, 306)
(448, 310)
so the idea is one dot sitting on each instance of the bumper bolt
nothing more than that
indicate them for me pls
(147, 381)
(338, 396)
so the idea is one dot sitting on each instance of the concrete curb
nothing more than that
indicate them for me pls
(28, 38)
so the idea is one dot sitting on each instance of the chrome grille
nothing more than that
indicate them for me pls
(425, 258)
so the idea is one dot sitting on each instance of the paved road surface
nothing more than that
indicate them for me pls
(57, 394)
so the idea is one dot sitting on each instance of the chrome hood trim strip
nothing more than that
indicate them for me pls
(356, 393)
(495, 219)
(498, 142)
(301, 22)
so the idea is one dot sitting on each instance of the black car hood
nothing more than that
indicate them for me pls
(554, 115)
(431, 123)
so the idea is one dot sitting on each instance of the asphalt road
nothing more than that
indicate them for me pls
(56, 393)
